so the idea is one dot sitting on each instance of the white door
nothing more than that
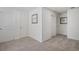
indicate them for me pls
(6, 28)
(2, 28)
(23, 24)
(16, 24)
(9, 26)
(53, 25)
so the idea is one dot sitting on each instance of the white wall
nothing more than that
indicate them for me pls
(35, 30)
(13, 23)
(73, 23)
(17, 23)
(49, 24)
(46, 27)
(61, 28)
(57, 23)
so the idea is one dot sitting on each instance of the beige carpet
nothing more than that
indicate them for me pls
(58, 43)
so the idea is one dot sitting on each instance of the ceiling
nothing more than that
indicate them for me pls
(59, 9)
(56, 9)
(16, 8)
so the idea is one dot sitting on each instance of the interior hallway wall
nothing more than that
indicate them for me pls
(13, 23)
(61, 28)
(35, 30)
(73, 23)
(17, 23)
(49, 24)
